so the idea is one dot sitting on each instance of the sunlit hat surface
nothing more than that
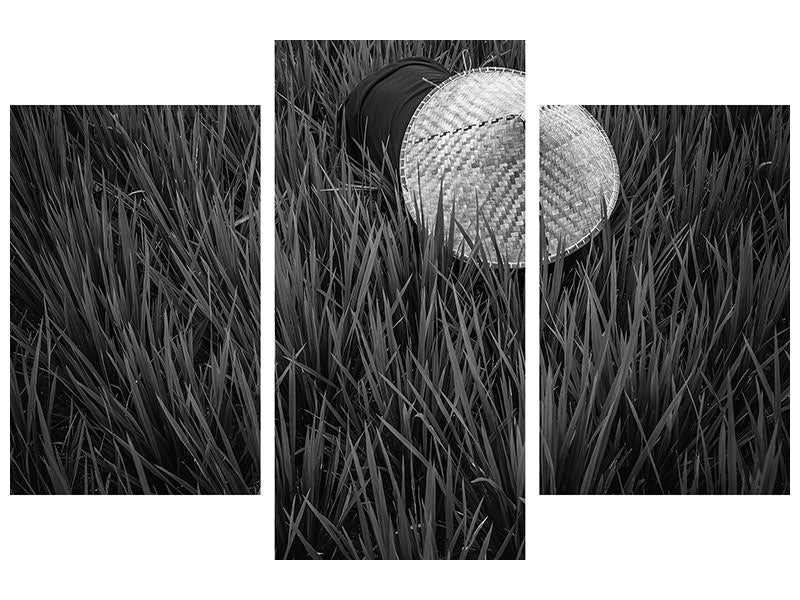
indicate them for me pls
(578, 176)
(466, 142)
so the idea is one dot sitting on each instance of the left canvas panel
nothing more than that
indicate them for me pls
(135, 300)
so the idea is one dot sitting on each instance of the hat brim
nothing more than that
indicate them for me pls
(463, 153)
(578, 178)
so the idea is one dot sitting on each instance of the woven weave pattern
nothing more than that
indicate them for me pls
(467, 141)
(578, 173)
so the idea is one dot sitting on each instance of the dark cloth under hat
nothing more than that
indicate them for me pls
(378, 110)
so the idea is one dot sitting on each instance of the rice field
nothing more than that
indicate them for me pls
(135, 300)
(665, 344)
(400, 369)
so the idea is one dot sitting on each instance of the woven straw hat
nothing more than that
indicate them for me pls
(578, 174)
(466, 141)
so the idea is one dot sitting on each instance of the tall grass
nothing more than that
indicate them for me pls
(665, 345)
(400, 370)
(134, 300)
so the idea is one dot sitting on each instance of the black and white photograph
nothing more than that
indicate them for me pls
(399, 299)
(275, 294)
(135, 315)
(664, 299)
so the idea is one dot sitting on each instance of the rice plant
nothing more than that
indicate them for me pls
(665, 344)
(400, 369)
(134, 300)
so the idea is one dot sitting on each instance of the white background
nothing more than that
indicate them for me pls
(222, 53)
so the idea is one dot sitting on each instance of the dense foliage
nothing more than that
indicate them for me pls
(665, 345)
(400, 369)
(134, 300)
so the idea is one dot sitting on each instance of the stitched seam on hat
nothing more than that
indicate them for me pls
(466, 128)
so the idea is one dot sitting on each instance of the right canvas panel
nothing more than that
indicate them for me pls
(664, 286)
